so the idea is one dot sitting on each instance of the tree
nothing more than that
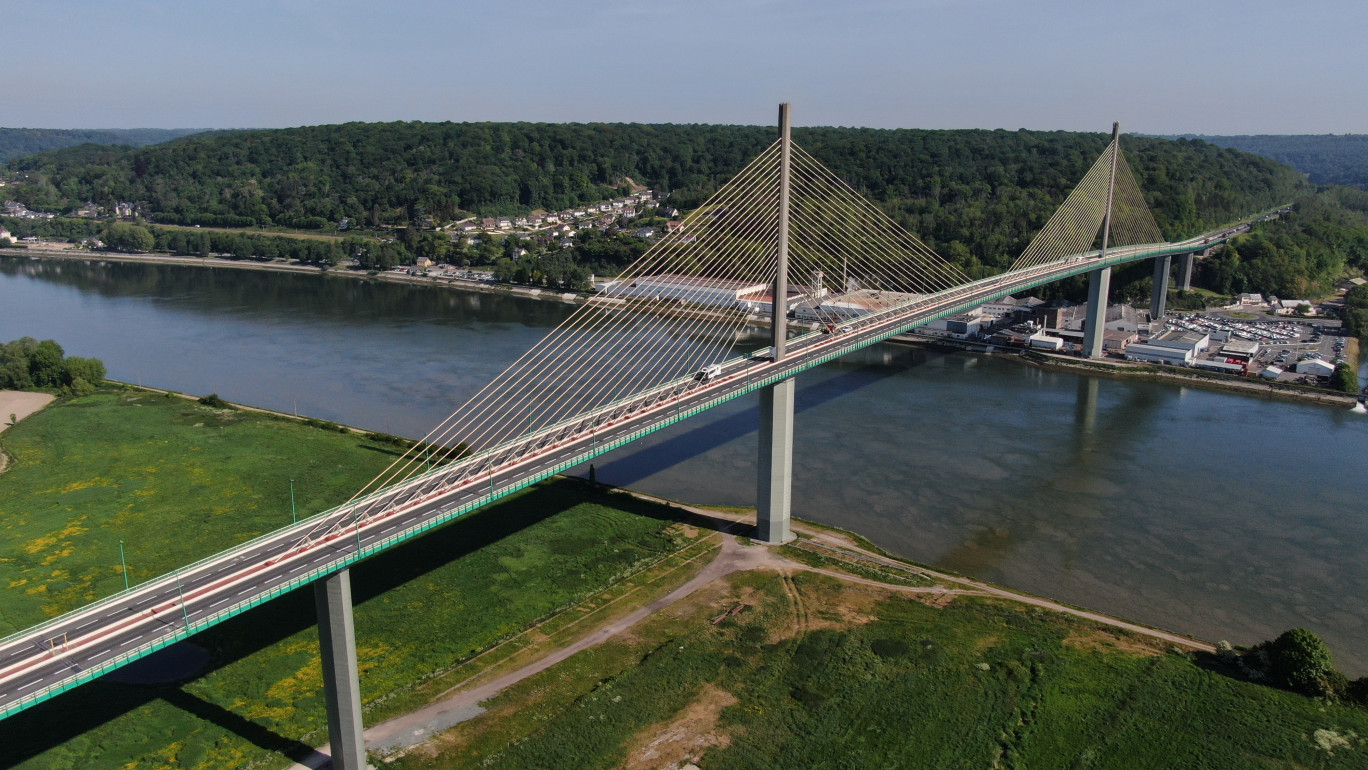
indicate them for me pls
(1344, 378)
(121, 236)
(1300, 661)
(45, 364)
(89, 370)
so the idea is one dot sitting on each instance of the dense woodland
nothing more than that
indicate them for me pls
(977, 197)
(18, 142)
(1324, 158)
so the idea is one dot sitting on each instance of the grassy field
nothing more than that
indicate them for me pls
(420, 610)
(175, 480)
(816, 674)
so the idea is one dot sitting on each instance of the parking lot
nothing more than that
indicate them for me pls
(1282, 342)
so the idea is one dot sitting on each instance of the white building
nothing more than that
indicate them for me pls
(1042, 340)
(1158, 354)
(717, 292)
(1315, 366)
(1195, 343)
(6, 235)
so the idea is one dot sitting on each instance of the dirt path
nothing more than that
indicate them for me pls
(21, 404)
(401, 733)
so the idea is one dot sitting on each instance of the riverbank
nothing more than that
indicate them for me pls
(1108, 368)
(1135, 371)
(461, 284)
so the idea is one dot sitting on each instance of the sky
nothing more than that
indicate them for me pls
(1158, 66)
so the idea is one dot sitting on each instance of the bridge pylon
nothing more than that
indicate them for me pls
(1099, 281)
(774, 476)
(341, 679)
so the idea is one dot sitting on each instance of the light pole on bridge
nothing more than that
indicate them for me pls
(294, 518)
(123, 566)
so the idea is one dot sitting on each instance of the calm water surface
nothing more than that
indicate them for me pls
(1222, 516)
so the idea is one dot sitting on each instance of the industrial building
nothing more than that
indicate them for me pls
(1160, 354)
(716, 292)
(1195, 343)
(1316, 367)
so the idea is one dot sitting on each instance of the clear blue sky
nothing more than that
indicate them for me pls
(1158, 66)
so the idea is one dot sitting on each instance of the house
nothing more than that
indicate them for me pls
(1251, 299)
(1289, 306)
(522, 221)
(89, 209)
(125, 210)
(488, 223)
(1271, 373)
(422, 262)
(504, 223)
(669, 212)
(6, 235)
(469, 227)
(672, 225)
(645, 232)
(567, 243)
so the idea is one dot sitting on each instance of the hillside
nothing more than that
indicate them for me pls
(18, 142)
(975, 196)
(1324, 158)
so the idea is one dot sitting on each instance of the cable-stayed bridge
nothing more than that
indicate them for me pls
(785, 240)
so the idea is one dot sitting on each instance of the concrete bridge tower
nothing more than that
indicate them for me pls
(775, 467)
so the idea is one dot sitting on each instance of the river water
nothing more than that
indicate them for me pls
(1222, 516)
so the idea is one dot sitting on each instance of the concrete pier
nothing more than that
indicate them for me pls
(775, 471)
(1183, 278)
(1159, 297)
(341, 682)
(1099, 286)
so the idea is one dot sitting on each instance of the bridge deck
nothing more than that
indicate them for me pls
(43, 661)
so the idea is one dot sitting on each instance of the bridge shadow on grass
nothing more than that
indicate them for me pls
(50, 725)
(643, 463)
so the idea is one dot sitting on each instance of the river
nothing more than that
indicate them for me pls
(1208, 513)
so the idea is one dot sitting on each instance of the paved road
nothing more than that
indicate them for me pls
(75, 648)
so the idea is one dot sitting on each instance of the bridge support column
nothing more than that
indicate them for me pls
(776, 463)
(1099, 286)
(341, 682)
(1184, 277)
(1161, 280)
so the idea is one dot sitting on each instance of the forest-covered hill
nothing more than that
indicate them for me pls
(975, 196)
(1324, 158)
(18, 142)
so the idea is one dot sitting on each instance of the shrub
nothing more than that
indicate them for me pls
(214, 401)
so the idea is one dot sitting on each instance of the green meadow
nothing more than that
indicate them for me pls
(177, 481)
(819, 674)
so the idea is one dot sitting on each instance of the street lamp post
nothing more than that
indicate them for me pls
(294, 519)
(123, 566)
(184, 612)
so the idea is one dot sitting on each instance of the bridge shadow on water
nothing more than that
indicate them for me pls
(642, 463)
(49, 725)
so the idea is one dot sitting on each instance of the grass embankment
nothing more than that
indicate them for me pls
(179, 480)
(816, 673)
